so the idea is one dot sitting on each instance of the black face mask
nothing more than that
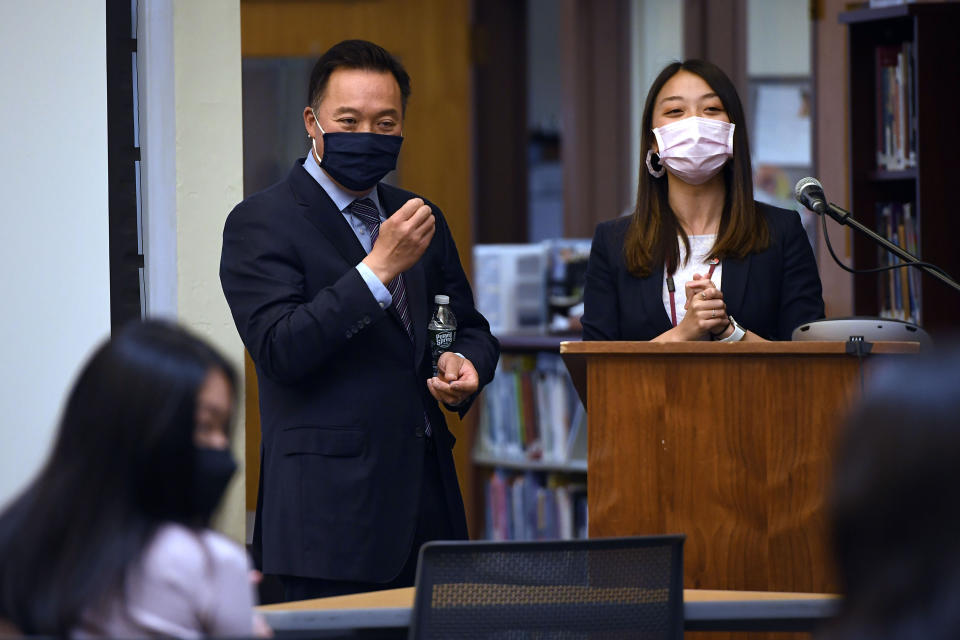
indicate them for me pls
(212, 471)
(358, 161)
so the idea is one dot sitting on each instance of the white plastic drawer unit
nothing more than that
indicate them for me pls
(510, 282)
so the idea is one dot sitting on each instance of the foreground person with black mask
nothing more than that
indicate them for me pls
(331, 276)
(111, 539)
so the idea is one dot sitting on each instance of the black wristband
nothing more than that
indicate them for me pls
(716, 336)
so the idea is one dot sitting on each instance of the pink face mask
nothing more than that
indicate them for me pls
(693, 149)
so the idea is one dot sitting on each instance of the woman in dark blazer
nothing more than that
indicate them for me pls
(699, 259)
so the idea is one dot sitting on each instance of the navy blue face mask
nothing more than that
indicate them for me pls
(212, 471)
(358, 161)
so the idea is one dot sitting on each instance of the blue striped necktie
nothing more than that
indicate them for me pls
(368, 214)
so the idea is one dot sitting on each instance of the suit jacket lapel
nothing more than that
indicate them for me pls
(734, 283)
(320, 210)
(646, 296)
(652, 299)
(414, 279)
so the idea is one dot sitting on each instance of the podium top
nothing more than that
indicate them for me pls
(576, 354)
(608, 348)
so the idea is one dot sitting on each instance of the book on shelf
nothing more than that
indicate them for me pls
(896, 107)
(534, 506)
(892, 3)
(531, 411)
(899, 289)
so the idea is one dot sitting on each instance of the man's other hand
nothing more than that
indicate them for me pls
(456, 379)
(403, 238)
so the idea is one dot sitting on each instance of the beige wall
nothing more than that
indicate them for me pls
(192, 176)
(209, 182)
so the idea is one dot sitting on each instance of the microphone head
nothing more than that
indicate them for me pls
(802, 185)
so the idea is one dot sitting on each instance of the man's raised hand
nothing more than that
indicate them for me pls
(403, 238)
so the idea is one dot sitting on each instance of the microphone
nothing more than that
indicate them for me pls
(809, 193)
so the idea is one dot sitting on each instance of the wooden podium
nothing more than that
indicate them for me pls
(728, 443)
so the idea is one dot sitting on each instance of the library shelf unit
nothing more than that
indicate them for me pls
(526, 465)
(927, 72)
(578, 466)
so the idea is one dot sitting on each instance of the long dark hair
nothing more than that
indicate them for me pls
(652, 236)
(894, 508)
(122, 465)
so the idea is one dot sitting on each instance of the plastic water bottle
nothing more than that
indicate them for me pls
(442, 330)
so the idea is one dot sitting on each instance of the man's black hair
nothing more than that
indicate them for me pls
(355, 54)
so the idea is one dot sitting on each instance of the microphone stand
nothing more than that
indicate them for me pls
(844, 217)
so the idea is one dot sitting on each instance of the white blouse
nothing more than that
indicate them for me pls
(700, 250)
(190, 584)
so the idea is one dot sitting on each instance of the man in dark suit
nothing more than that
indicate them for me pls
(331, 276)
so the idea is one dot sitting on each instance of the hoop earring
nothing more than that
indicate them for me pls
(651, 158)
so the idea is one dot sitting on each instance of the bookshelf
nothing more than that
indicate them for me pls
(904, 62)
(575, 466)
(529, 447)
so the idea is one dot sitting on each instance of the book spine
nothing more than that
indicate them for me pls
(909, 221)
(910, 81)
(887, 100)
(878, 105)
(901, 104)
(534, 506)
(891, 281)
(907, 311)
(883, 291)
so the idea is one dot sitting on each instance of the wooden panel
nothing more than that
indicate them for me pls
(734, 477)
(595, 68)
(832, 150)
(500, 118)
(735, 452)
(938, 57)
(432, 39)
(716, 30)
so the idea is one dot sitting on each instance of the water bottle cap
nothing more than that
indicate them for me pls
(441, 299)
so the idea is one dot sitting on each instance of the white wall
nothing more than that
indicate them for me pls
(778, 38)
(53, 176)
(158, 169)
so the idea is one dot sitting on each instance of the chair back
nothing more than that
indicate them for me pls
(599, 588)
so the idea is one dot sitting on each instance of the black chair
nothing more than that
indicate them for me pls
(601, 588)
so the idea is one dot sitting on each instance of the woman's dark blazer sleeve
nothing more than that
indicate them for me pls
(801, 295)
(601, 302)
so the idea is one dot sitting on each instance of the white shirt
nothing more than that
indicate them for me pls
(189, 584)
(700, 250)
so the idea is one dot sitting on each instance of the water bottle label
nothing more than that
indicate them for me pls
(444, 339)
